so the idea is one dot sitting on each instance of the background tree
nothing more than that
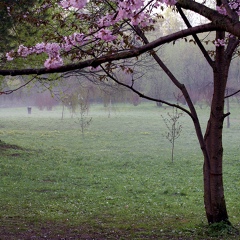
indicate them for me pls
(15, 30)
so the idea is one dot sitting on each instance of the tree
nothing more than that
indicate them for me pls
(174, 128)
(111, 33)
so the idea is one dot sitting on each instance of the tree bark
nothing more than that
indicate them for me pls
(214, 200)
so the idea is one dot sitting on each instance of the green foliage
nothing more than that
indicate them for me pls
(12, 31)
(222, 229)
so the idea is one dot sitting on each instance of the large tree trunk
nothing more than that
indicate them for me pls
(213, 180)
(214, 200)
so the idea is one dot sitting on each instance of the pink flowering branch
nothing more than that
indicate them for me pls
(220, 42)
(131, 53)
(133, 10)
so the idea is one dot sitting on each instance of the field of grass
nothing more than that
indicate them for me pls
(115, 182)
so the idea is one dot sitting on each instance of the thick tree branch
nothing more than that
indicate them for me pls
(232, 46)
(230, 12)
(221, 21)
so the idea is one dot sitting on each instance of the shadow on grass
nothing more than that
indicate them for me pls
(17, 229)
(5, 146)
(11, 149)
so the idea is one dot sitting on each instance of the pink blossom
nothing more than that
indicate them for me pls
(53, 62)
(73, 3)
(9, 56)
(67, 46)
(64, 4)
(105, 34)
(142, 19)
(106, 21)
(221, 9)
(78, 37)
(52, 49)
(39, 48)
(122, 14)
(219, 42)
(170, 2)
(75, 39)
(24, 51)
(131, 10)
(235, 5)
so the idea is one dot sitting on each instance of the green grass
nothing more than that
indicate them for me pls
(115, 182)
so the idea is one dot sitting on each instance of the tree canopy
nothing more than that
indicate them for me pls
(107, 37)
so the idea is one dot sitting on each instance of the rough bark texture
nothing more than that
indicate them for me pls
(214, 200)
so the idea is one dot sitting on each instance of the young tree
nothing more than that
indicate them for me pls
(173, 127)
(109, 33)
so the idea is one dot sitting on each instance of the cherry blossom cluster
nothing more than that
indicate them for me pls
(234, 5)
(130, 10)
(220, 42)
(54, 49)
(79, 4)
(133, 11)
(221, 9)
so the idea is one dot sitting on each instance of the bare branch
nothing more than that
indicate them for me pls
(230, 95)
(16, 89)
(200, 45)
(144, 96)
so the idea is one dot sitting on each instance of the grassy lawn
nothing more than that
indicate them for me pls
(115, 182)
